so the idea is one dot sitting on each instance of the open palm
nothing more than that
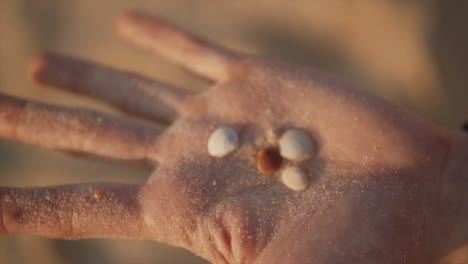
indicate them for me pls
(371, 177)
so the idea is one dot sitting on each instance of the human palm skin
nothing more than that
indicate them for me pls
(379, 191)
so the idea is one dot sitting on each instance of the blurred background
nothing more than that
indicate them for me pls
(412, 53)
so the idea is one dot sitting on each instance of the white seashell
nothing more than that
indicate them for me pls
(294, 178)
(222, 141)
(296, 145)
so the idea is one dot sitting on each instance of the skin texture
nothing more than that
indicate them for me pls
(384, 186)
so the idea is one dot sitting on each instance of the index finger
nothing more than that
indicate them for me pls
(73, 211)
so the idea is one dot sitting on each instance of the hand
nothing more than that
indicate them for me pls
(373, 173)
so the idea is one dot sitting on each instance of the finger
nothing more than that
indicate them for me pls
(202, 58)
(74, 129)
(128, 91)
(73, 211)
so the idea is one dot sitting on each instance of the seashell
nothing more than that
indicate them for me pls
(222, 141)
(294, 178)
(273, 135)
(268, 161)
(296, 145)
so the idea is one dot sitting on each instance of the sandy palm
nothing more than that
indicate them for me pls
(374, 176)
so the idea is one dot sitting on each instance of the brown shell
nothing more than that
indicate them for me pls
(268, 161)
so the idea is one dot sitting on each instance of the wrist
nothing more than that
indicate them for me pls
(453, 204)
